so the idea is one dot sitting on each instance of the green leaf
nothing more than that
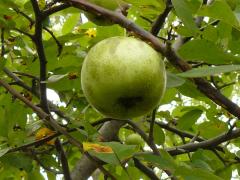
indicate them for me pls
(212, 162)
(189, 173)
(3, 151)
(212, 128)
(18, 160)
(109, 158)
(55, 78)
(164, 161)
(158, 134)
(202, 50)
(208, 71)
(188, 119)
(2, 64)
(70, 23)
(121, 152)
(220, 10)
(184, 13)
(173, 80)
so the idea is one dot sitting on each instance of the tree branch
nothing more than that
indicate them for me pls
(50, 137)
(55, 9)
(60, 47)
(146, 170)
(24, 15)
(46, 118)
(207, 144)
(84, 167)
(204, 86)
(157, 25)
(63, 159)
(46, 168)
(2, 43)
(23, 32)
(41, 55)
(152, 122)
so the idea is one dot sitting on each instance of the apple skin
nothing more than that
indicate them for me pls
(232, 4)
(134, 139)
(123, 77)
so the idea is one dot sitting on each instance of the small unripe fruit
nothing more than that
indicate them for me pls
(123, 77)
(134, 139)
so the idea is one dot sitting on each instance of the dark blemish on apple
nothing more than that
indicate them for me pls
(129, 102)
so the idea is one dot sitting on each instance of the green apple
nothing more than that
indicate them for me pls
(123, 77)
(108, 4)
(134, 139)
(232, 4)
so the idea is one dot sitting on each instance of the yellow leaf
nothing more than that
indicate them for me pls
(97, 148)
(43, 133)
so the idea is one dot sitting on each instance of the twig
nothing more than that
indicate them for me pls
(146, 170)
(219, 157)
(207, 144)
(183, 133)
(146, 19)
(152, 145)
(55, 9)
(48, 138)
(23, 32)
(25, 74)
(177, 131)
(19, 82)
(226, 85)
(63, 159)
(35, 157)
(2, 43)
(157, 25)
(41, 55)
(195, 137)
(25, 15)
(151, 130)
(60, 47)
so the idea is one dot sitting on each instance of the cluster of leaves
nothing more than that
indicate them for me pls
(206, 34)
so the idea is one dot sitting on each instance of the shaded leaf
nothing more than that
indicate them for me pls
(158, 134)
(206, 51)
(164, 161)
(219, 9)
(173, 80)
(4, 151)
(188, 119)
(208, 71)
(184, 13)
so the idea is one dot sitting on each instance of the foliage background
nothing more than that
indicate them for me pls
(194, 133)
